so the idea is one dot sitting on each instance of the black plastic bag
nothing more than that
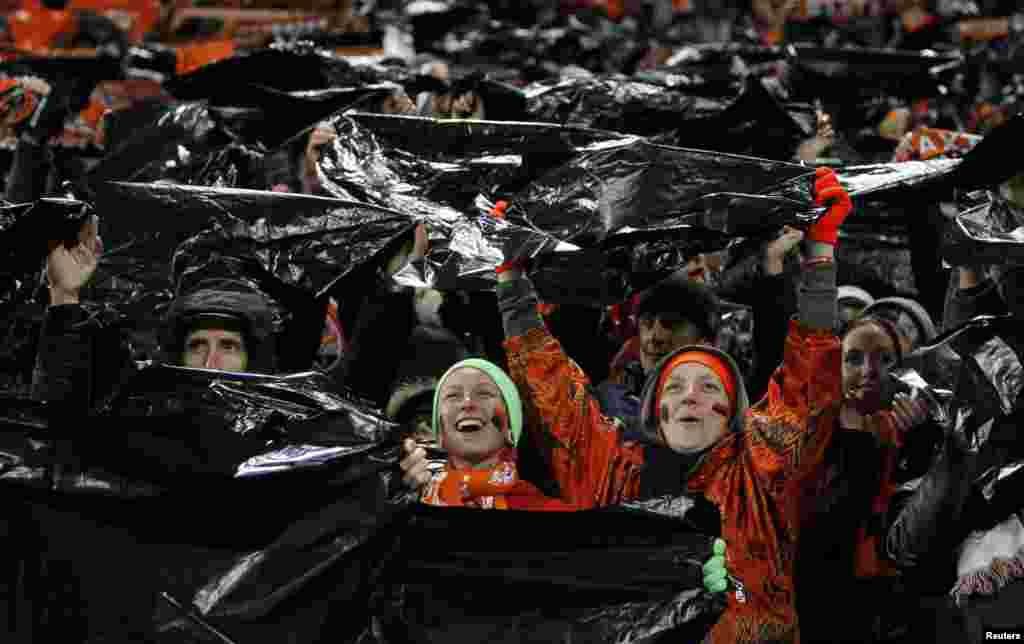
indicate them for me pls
(623, 574)
(306, 242)
(305, 71)
(254, 113)
(27, 229)
(620, 104)
(647, 207)
(258, 506)
(397, 160)
(978, 366)
(985, 234)
(630, 187)
(164, 144)
(755, 123)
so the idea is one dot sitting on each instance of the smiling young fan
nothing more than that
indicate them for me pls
(478, 419)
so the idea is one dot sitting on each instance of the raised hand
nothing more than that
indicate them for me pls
(776, 250)
(69, 269)
(908, 412)
(829, 192)
(415, 471)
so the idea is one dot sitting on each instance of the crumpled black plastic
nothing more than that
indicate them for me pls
(626, 574)
(680, 110)
(630, 187)
(223, 123)
(445, 161)
(465, 34)
(978, 366)
(84, 69)
(306, 70)
(617, 103)
(855, 84)
(647, 207)
(253, 113)
(260, 505)
(447, 172)
(26, 230)
(305, 241)
(165, 143)
(986, 234)
(831, 72)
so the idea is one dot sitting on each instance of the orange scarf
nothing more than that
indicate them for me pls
(494, 488)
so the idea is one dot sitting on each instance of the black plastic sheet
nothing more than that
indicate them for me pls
(220, 135)
(979, 363)
(165, 143)
(986, 234)
(647, 207)
(856, 85)
(442, 161)
(306, 70)
(573, 187)
(27, 229)
(680, 110)
(620, 104)
(83, 70)
(630, 187)
(302, 240)
(466, 35)
(269, 424)
(254, 113)
(993, 160)
(269, 507)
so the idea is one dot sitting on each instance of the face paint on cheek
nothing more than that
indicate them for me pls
(720, 408)
(500, 420)
(664, 413)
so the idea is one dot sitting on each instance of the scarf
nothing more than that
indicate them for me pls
(492, 488)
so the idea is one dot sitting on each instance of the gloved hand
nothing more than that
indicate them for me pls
(520, 245)
(715, 573)
(828, 192)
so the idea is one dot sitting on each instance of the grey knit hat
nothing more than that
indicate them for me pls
(905, 309)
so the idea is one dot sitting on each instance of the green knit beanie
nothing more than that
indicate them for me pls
(508, 391)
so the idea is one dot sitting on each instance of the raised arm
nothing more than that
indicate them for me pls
(971, 292)
(800, 384)
(809, 379)
(582, 447)
(80, 356)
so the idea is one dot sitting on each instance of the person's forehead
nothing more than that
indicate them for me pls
(868, 337)
(667, 317)
(468, 377)
(692, 370)
(215, 334)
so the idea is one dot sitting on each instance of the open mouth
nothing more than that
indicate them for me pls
(469, 425)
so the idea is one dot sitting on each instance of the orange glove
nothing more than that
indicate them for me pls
(828, 192)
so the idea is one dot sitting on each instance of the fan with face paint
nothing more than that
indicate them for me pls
(871, 348)
(692, 398)
(477, 414)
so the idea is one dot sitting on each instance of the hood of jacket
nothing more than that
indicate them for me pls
(648, 425)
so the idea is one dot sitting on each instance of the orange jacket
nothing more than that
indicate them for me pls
(750, 475)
